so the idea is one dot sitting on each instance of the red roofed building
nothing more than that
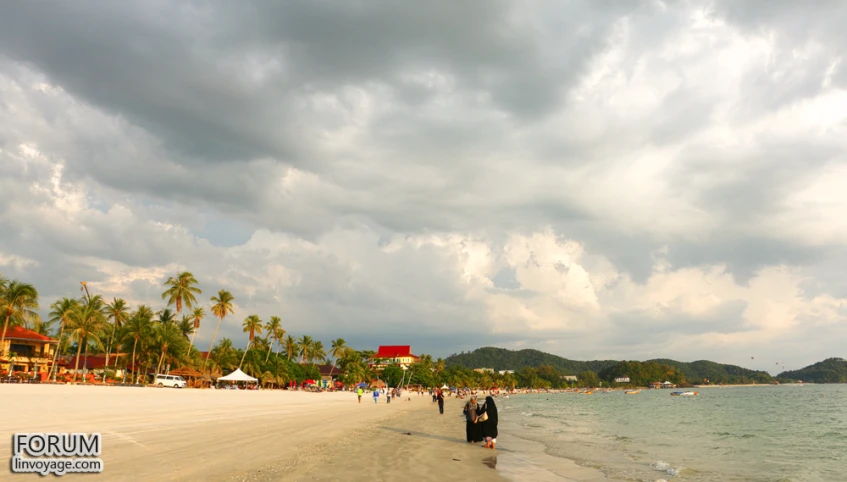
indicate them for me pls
(393, 355)
(26, 351)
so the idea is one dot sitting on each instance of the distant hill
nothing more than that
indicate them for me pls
(697, 371)
(503, 359)
(693, 372)
(831, 370)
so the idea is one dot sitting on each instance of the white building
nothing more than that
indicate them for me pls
(622, 380)
(503, 372)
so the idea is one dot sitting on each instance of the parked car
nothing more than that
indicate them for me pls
(170, 381)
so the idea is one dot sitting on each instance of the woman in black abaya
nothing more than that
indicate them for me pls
(473, 429)
(489, 427)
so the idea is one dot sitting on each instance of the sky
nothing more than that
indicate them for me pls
(598, 180)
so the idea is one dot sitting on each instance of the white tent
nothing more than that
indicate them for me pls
(238, 376)
(445, 387)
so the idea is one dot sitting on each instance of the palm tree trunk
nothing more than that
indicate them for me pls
(159, 365)
(3, 339)
(76, 363)
(85, 362)
(134, 374)
(56, 352)
(271, 345)
(213, 343)
(193, 334)
(244, 355)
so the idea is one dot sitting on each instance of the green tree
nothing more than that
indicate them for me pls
(272, 328)
(18, 302)
(222, 306)
(181, 290)
(86, 322)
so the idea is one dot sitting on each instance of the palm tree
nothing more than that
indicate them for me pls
(18, 302)
(139, 327)
(253, 325)
(222, 306)
(181, 291)
(305, 345)
(339, 349)
(61, 311)
(196, 316)
(186, 327)
(118, 312)
(290, 346)
(317, 352)
(439, 366)
(272, 328)
(166, 316)
(166, 334)
(85, 322)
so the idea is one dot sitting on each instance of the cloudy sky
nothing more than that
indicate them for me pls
(593, 179)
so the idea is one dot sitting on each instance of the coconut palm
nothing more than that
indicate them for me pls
(222, 306)
(60, 312)
(272, 328)
(253, 325)
(305, 347)
(196, 317)
(18, 302)
(338, 349)
(181, 291)
(118, 312)
(85, 324)
(318, 353)
(166, 335)
(139, 327)
(186, 327)
(279, 335)
(166, 316)
(290, 346)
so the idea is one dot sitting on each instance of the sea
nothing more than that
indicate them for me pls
(786, 433)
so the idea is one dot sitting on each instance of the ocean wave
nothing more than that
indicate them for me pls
(732, 435)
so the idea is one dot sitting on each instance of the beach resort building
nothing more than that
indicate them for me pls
(622, 380)
(484, 370)
(329, 373)
(393, 355)
(26, 351)
(569, 378)
(503, 372)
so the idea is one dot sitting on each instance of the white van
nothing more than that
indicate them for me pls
(170, 381)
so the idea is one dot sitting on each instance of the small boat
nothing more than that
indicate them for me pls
(683, 394)
(590, 392)
(632, 392)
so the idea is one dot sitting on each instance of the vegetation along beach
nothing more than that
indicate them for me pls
(373, 240)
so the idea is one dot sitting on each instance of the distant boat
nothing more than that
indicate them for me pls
(632, 392)
(683, 394)
(590, 392)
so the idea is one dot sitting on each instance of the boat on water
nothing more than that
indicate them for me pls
(590, 392)
(632, 392)
(683, 394)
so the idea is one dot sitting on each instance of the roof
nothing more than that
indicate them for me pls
(94, 362)
(186, 372)
(394, 351)
(21, 333)
(325, 370)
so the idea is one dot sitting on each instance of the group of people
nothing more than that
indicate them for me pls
(481, 421)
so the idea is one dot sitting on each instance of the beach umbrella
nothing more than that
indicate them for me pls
(363, 384)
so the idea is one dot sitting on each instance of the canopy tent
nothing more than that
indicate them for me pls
(238, 376)
(363, 384)
(445, 387)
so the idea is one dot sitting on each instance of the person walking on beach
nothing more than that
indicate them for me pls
(360, 392)
(388, 397)
(440, 397)
(473, 430)
(489, 426)
(376, 396)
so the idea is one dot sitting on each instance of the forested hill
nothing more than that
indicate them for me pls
(831, 370)
(502, 359)
(698, 371)
(693, 372)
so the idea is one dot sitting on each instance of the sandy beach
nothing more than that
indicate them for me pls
(228, 435)
(170, 434)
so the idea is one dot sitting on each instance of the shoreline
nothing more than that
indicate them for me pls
(255, 436)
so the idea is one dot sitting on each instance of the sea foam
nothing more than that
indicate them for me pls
(665, 467)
